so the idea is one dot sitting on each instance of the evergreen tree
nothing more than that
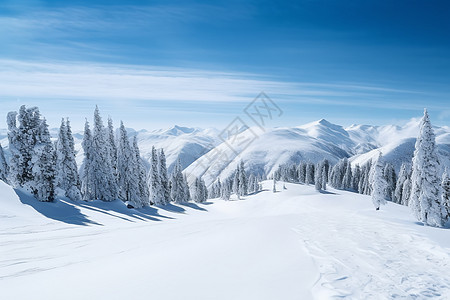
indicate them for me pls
(67, 181)
(309, 178)
(87, 172)
(112, 147)
(445, 184)
(356, 178)
(274, 189)
(127, 171)
(348, 177)
(402, 177)
(4, 169)
(187, 193)
(425, 199)
(15, 167)
(163, 178)
(143, 193)
(318, 177)
(236, 183)
(154, 180)
(179, 187)
(243, 183)
(406, 195)
(43, 162)
(391, 179)
(302, 172)
(104, 184)
(378, 183)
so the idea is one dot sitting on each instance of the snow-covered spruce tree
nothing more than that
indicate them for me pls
(236, 183)
(127, 175)
(4, 169)
(425, 201)
(177, 184)
(318, 177)
(86, 171)
(391, 179)
(187, 192)
(112, 147)
(309, 178)
(243, 182)
(226, 190)
(22, 139)
(274, 189)
(164, 178)
(302, 172)
(103, 184)
(406, 195)
(43, 162)
(15, 167)
(67, 181)
(141, 174)
(356, 178)
(200, 191)
(347, 179)
(378, 182)
(251, 183)
(402, 177)
(154, 180)
(445, 184)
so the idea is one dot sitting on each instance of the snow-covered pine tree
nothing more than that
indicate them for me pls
(67, 181)
(425, 201)
(391, 179)
(309, 178)
(236, 183)
(86, 171)
(154, 181)
(104, 184)
(378, 182)
(243, 183)
(445, 184)
(164, 178)
(302, 172)
(141, 174)
(112, 147)
(226, 191)
(407, 186)
(356, 178)
(4, 169)
(22, 139)
(127, 175)
(348, 177)
(200, 191)
(274, 189)
(179, 187)
(43, 162)
(318, 177)
(402, 177)
(15, 167)
(187, 192)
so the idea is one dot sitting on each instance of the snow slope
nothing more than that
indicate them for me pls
(294, 244)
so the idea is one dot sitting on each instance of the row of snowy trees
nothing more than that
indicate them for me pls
(240, 183)
(112, 167)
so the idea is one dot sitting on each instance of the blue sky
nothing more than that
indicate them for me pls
(198, 63)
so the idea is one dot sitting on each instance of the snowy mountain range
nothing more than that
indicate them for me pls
(203, 153)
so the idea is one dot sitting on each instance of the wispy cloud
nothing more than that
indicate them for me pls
(19, 79)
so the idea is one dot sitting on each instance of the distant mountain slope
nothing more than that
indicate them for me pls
(272, 147)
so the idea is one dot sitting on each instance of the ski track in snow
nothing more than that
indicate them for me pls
(351, 254)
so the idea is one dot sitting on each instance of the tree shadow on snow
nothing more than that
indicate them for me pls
(58, 210)
(119, 210)
(172, 208)
(194, 206)
(327, 192)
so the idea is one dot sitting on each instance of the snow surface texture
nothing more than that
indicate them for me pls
(272, 147)
(293, 244)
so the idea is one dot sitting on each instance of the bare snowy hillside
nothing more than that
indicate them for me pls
(266, 246)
